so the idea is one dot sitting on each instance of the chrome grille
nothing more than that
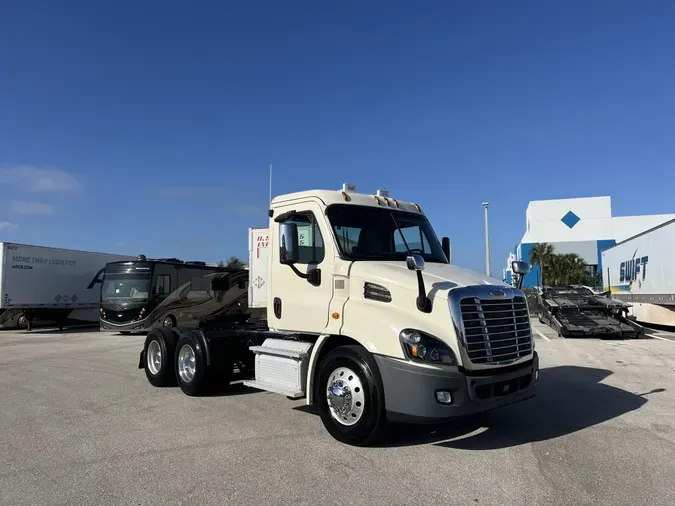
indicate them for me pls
(496, 330)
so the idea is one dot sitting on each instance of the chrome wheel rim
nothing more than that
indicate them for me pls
(346, 399)
(154, 357)
(186, 363)
(168, 322)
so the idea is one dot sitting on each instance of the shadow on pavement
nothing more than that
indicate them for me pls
(569, 399)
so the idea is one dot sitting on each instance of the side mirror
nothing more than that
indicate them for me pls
(415, 263)
(445, 244)
(520, 268)
(288, 243)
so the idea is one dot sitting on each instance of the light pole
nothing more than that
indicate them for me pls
(487, 241)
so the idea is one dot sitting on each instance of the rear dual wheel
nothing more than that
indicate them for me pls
(160, 345)
(193, 373)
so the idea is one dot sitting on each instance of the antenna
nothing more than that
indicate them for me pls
(270, 183)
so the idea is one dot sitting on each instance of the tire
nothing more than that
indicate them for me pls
(22, 322)
(193, 374)
(159, 348)
(168, 322)
(365, 422)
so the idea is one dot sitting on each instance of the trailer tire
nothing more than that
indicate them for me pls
(158, 353)
(352, 376)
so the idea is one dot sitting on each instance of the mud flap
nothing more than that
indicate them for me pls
(141, 360)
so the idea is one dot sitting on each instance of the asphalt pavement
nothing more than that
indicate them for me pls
(80, 424)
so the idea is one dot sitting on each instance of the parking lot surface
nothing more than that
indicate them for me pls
(80, 424)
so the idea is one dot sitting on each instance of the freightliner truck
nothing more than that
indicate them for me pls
(354, 307)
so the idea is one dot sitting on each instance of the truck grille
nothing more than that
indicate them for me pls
(496, 330)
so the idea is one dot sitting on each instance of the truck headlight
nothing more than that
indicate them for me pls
(421, 347)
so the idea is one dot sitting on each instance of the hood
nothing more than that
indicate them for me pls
(438, 278)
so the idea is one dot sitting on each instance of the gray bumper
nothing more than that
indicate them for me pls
(122, 327)
(410, 391)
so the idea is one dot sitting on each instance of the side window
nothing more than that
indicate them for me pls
(413, 237)
(348, 237)
(163, 284)
(311, 249)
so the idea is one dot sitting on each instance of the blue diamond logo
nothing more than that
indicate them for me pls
(570, 219)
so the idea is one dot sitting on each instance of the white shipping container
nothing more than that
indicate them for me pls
(258, 258)
(43, 277)
(641, 272)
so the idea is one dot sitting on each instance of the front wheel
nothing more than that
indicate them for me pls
(350, 396)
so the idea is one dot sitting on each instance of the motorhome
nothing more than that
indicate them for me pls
(140, 294)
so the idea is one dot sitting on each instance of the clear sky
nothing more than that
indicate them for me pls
(148, 126)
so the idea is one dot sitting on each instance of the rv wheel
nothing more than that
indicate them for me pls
(22, 321)
(158, 353)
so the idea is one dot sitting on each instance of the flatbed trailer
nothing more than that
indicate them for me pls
(575, 311)
(352, 305)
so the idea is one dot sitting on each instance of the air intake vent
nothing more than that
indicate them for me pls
(376, 292)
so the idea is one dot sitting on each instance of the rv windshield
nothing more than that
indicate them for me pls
(369, 233)
(127, 287)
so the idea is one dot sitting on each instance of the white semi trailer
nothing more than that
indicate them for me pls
(355, 308)
(50, 285)
(641, 272)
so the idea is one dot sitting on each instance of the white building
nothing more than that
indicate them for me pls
(584, 226)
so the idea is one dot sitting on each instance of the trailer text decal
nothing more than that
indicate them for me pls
(18, 259)
(97, 279)
(630, 270)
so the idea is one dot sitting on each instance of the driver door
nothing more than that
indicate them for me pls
(295, 304)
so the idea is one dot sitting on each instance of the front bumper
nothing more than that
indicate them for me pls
(122, 327)
(410, 390)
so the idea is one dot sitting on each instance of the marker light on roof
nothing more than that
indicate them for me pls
(396, 203)
(419, 209)
(377, 199)
(345, 197)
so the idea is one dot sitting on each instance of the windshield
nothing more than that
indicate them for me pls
(118, 287)
(365, 233)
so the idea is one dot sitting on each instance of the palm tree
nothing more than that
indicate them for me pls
(236, 263)
(541, 255)
(576, 271)
(567, 269)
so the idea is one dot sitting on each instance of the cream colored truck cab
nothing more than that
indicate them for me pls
(372, 323)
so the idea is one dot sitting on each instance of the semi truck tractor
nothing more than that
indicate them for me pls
(353, 306)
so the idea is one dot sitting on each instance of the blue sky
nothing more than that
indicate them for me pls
(149, 126)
